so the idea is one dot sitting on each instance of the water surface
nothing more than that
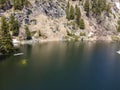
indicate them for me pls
(62, 66)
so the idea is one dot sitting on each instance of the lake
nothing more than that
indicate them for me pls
(62, 66)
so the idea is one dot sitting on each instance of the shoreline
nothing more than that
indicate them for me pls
(23, 42)
(108, 38)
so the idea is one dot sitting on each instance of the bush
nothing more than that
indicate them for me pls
(69, 34)
(82, 34)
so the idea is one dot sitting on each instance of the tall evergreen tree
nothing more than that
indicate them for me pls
(28, 34)
(6, 46)
(108, 9)
(94, 4)
(82, 24)
(78, 15)
(118, 29)
(68, 11)
(19, 4)
(14, 25)
(11, 22)
(87, 7)
(103, 4)
(2, 2)
(98, 6)
(72, 13)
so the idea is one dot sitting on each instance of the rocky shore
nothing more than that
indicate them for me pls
(83, 39)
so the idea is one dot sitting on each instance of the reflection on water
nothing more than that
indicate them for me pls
(63, 66)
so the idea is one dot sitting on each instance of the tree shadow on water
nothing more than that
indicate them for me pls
(3, 57)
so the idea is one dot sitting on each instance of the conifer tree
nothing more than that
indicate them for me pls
(11, 23)
(72, 13)
(103, 4)
(108, 7)
(6, 45)
(82, 24)
(14, 25)
(94, 4)
(87, 7)
(2, 2)
(19, 4)
(99, 7)
(118, 29)
(28, 34)
(68, 11)
(78, 15)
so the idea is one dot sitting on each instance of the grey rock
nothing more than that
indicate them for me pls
(51, 8)
(6, 6)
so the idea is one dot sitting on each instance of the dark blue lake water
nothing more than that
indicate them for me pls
(62, 66)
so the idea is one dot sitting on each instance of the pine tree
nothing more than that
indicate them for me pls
(108, 7)
(72, 13)
(14, 25)
(19, 4)
(78, 15)
(103, 4)
(87, 7)
(11, 23)
(94, 4)
(28, 34)
(2, 2)
(82, 24)
(68, 11)
(98, 6)
(26, 3)
(6, 40)
(16, 28)
(118, 29)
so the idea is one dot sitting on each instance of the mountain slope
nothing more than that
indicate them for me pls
(47, 19)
